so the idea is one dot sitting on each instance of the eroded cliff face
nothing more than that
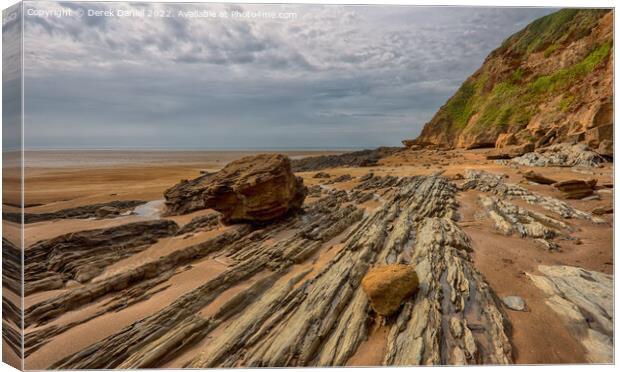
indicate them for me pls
(551, 82)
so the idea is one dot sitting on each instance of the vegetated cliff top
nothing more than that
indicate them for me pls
(554, 75)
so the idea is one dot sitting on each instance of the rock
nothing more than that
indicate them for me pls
(546, 138)
(561, 155)
(84, 211)
(388, 286)
(321, 175)
(506, 139)
(514, 303)
(204, 223)
(576, 189)
(342, 178)
(312, 317)
(456, 177)
(107, 211)
(256, 188)
(83, 255)
(510, 152)
(603, 210)
(583, 300)
(367, 177)
(494, 184)
(591, 197)
(576, 137)
(363, 158)
(315, 191)
(411, 144)
(596, 135)
(606, 148)
(538, 178)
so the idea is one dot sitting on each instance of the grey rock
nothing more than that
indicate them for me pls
(583, 300)
(514, 303)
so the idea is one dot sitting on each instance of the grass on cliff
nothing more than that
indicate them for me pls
(555, 29)
(514, 101)
(566, 76)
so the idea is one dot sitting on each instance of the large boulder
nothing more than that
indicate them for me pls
(388, 286)
(256, 188)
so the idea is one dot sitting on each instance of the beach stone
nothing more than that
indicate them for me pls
(388, 286)
(257, 188)
(514, 303)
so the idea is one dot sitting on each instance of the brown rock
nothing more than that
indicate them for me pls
(510, 152)
(388, 286)
(506, 139)
(256, 188)
(606, 148)
(603, 210)
(576, 137)
(596, 135)
(107, 211)
(321, 175)
(576, 189)
(538, 178)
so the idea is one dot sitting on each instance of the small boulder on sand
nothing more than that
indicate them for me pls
(256, 189)
(387, 287)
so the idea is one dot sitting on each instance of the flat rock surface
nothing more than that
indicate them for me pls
(584, 301)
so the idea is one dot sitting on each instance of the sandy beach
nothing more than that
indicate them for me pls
(503, 260)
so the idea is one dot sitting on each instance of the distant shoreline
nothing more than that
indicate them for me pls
(274, 149)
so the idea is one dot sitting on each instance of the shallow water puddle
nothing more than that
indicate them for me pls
(152, 209)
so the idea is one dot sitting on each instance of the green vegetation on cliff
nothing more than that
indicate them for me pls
(512, 96)
(549, 32)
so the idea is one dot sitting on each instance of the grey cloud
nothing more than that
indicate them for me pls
(337, 76)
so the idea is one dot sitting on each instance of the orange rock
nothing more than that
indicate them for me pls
(388, 286)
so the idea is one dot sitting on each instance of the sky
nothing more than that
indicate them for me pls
(209, 76)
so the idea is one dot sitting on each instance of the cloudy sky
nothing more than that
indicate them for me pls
(327, 76)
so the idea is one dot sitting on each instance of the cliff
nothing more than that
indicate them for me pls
(548, 83)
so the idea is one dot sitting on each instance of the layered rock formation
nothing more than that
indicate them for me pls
(256, 188)
(290, 312)
(363, 158)
(583, 299)
(551, 82)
